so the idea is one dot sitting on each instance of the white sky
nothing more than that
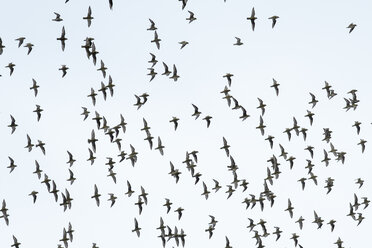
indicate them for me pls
(310, 44)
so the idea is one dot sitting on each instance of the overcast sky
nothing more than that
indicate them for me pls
(309, 45)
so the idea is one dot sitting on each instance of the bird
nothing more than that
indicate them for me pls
(261, 126)
(300, 222)
(166, 70)
(1, 46)
(277, 233)
(311, 150)
(273, 18)
(175, 120)
(208, 120)
(153, 60)
(12, 165)
(29, 46)
(227, 242)
(57, 18)
(332, 224)
(96, 195)
(20, 41)
(238, 42)
(54, 191)
(139, 203)
(217, 186)
(156, 40)
(152, 26)
(229, 191)
(11, 68)
(110, 86)
(275, 85)
(191, 17)
(102, 69)
(160, 147)
(318, 220)
(351, 27)
(357, 126)
(244, 114)
(313, 100)
(37, 170)
(71, 179)
(295, 238)
(196, 113)
(252, 18)
(71, 159)
(63, 38)
(183, 43)
(12, 124)
(136, 228)
(38, 111)
(129, 191)
(261, 106)
(70, 232)
(179, 211)
(174, 74)
(41, 145)
(359, 181)
(85, 113)
(228, 76)
(152, 73)
(89, 17)
(205, 191)
(362, 143)
(271, 140)
(34, 87)
(103, 90)
(15, 244)
(210, 230)
(64, 69)
(34, 195)
(290, 208)
(167, 204)
(93, 95)
(144, 195)
(29, 144)
(225, 147)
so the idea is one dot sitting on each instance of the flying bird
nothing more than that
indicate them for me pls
(34, 195)
(252, 18)
(11, 68)
(29, 46)
(89, 17)
(174, 74)
(191, 17)
(238, 42)
(351, 27)
(152, 26)
(34, 87)
(96, 195)
(63, 38)
(156, 40)
(136, 228)
(275, 85)
(12, 124)
(38, 111)
(64, 69)
(273, 18)
(57, 18)
(20, 41)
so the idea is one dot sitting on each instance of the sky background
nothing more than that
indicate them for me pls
(309, 45)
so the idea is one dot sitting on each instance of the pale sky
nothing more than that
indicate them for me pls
(309, 45)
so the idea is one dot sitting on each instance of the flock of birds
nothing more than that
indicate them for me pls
(114, 133)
